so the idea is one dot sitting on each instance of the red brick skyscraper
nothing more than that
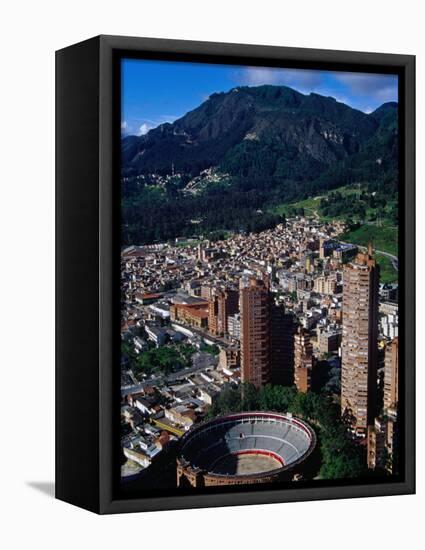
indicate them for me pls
(267, 342)
(360, 340)
(281, 346)
(255, 332)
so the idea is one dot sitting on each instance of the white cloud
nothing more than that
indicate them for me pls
(123, 125)
(383, 87)
(144, 129)
(301, 79)
(145, 125)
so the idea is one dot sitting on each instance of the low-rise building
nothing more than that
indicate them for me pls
(230, 358)
(147, 298)
(139, 344)
(389, 325)
(234, 326)
(181, 415)
(328, 340)
(195, 315)
(157, 334)
(325, 285)
(137, 456)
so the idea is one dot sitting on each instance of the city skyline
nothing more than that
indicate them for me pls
(264, 347)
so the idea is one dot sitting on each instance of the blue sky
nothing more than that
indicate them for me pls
(154, 92)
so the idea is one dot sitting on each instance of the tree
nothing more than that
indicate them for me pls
(249, 395)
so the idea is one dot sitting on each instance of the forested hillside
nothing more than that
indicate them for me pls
(224, 164)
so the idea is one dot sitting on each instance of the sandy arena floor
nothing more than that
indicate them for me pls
(245, 464)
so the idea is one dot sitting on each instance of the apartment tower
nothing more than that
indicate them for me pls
(282, 329)
(360, 341)
(266, 336)
(255, 332)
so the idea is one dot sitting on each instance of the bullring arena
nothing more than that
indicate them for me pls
(244, 448)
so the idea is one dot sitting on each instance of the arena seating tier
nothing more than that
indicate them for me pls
(229, 436)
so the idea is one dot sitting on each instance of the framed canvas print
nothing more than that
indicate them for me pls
(235, 274)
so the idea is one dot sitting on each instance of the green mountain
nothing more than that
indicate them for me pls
(268, 143)
(263, 131)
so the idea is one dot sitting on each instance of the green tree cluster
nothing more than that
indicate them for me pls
(211, 349)
(372, 202)
(163, 361)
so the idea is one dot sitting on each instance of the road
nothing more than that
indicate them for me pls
(201, 361)
(222, 342)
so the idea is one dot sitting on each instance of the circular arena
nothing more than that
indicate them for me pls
(243, 448)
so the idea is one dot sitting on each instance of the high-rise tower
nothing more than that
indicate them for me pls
(255, 332)
(266, 336)
(360, 341)
(281, 346)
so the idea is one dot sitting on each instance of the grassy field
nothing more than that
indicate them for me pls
(388, 274)
(383, 238)
(312, 204)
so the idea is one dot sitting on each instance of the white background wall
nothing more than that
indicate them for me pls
(30, 32)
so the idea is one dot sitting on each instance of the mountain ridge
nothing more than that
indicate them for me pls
(297, 134)
(227, 163)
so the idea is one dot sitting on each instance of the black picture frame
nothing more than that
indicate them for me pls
(87, 247)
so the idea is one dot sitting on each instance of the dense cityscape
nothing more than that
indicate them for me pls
(290, 319)
(259, 276)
